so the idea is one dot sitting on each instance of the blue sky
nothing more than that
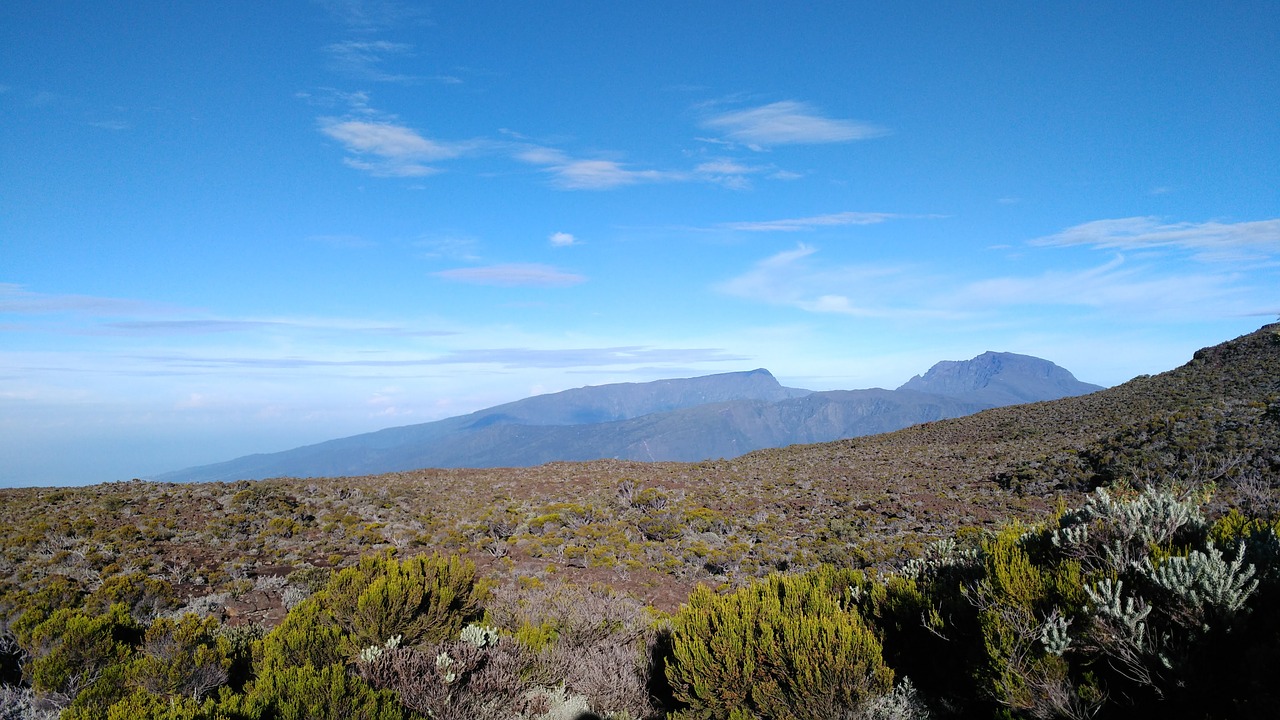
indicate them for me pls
(238, 227)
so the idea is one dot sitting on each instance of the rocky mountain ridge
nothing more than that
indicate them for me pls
(691, 419)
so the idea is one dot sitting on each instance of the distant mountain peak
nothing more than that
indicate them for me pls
(721, 415)
(1000, 376)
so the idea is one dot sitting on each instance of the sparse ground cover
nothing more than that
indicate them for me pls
(121, 565)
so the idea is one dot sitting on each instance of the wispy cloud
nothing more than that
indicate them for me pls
(45, 98)
(810, 223)
(572, 173)
(562, 239)
(115, 125)
(342, 241)
(1149, 289)
(386, 148)
(725, 166)
(588, 357)
(1211, 240)
(190, 327)
(604, 174)
(106, 316)
(577, 174)
(787, 123)
(509, 358)
(450, 247)
(1116, 288)
(729, 173)
(385, 139)
(789, 278)
(513, 275)
(373, 15)
(296, 327)
(364, 59)
(15, 299)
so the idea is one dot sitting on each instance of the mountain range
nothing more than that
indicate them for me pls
(715, 416)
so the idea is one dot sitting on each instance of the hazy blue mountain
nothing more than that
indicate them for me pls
(471, 440)
(686, 419)
(1000, 379)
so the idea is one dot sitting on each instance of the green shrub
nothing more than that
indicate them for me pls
(183, 658)
(307, 637)
(245, 648)
(26, 610)
(1015, 601)
(142, 705)
(81, 659)
(144, 596)
(424, 600)
(783, 647)
(330, 693)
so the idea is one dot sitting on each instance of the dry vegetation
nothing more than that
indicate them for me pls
(246, 552)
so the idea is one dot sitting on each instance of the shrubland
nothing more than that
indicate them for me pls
(1105, 556)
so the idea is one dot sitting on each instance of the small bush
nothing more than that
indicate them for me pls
(182, 658)
(145, 597)
(783, 647)
(424, 600)
(307, 693)
(307, 637)
(78, 657)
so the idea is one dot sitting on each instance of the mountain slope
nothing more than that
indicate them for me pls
(462, 441)
(683, 420)
(690, 419)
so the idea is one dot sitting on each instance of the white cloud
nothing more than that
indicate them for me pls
(391, 168)
(788, 123)
(452, 247)
(809, 223)
(1140, 291)
(364, 58)
(541, 156)
(374, 15)
(513, 275)
(16, 299)
(573, 173)
(562, 239)
(386, 140)
(342, 241)
(1214, 240)
(112, 125)
(387, 149)
(1117, 290)
(729, 173)
(788, 278)
(725, 167)
(588, 357)
(604, 174)
(506, 357)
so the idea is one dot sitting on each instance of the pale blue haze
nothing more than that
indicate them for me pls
(239, 227)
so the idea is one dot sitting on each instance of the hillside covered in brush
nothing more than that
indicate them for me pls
(1108, 555)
